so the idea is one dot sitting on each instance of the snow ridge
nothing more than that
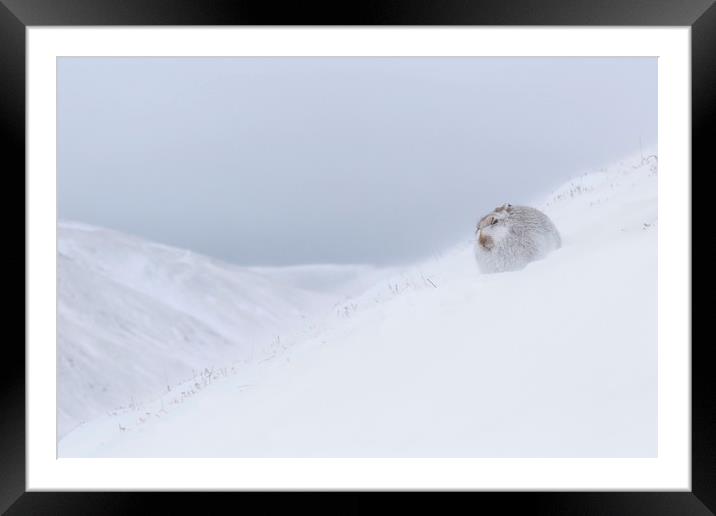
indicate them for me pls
(136, 318)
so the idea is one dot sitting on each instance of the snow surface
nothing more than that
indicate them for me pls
(136, 318)
(434, 360)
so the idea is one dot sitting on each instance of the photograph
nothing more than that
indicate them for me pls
(427, 248)
(357, 257)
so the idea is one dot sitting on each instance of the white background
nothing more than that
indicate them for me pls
(671, 470)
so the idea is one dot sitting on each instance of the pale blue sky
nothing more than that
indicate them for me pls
(281, 161)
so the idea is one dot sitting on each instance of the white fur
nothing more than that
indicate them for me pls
(520, 235)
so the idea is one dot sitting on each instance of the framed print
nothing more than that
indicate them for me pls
(444, 248)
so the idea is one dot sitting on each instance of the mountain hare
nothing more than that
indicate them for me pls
(510, 237)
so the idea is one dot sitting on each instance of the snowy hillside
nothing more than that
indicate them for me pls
(437, 360)
(136, 318)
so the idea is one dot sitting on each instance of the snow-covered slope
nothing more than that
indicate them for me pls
(558, 359)
(136, 318)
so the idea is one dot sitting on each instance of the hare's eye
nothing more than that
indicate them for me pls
(494, 222)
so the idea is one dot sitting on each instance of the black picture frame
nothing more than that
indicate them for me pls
(17, 15)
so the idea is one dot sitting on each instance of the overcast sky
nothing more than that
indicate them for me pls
(279, 161)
